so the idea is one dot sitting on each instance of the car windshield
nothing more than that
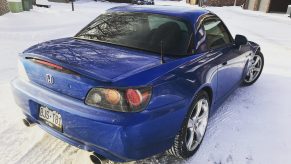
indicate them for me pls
(143, 31)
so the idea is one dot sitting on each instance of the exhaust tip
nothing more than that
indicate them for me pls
(98, 159)
(28, 123)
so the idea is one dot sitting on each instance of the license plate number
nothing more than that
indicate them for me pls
(51, 118)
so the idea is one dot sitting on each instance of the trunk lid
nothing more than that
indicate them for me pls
(99, 61)
(76, 66)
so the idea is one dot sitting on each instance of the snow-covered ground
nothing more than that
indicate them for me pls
(252, 126)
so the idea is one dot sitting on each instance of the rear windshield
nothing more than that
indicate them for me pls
(143, 31)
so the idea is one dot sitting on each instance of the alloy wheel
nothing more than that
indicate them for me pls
(197, 124)
(255, 69)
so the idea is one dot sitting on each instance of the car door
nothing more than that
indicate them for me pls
(229, 59)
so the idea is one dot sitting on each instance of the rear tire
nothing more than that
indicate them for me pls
(188, 140)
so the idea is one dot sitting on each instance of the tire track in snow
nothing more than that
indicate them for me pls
(16, 141)
(45, 151)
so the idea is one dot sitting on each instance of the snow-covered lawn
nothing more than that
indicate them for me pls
(252, 126)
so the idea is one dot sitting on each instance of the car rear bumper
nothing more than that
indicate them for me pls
(117, 136)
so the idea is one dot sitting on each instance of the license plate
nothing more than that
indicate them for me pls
(51, 118)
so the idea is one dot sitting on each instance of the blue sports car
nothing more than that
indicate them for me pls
(137, 81)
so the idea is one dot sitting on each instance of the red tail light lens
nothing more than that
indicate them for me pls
(134, 97)
(123, 100)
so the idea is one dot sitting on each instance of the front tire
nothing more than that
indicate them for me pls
(188, 140)
(255, 70)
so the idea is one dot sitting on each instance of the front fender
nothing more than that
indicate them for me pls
(254, 46)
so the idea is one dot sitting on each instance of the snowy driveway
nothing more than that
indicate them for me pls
(253, 126)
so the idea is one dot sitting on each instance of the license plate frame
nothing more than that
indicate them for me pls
(51, 118)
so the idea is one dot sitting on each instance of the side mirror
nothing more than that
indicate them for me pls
(240, 40)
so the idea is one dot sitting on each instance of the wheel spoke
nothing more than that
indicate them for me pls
(198, 109)
(248, 74)
(257, 69)
(204, 113)
(257, 60)
(251, 76)
(198, 135)
(190, 139)
(202, 117)
(191, 123)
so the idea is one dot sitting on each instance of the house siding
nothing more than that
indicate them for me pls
(264, 5)
(251, 5)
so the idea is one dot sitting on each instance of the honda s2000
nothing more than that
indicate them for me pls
(135, 82)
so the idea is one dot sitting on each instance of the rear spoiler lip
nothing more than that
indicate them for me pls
(81, 71)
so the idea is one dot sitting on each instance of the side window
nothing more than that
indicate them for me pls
(216, 34)
(155, 22)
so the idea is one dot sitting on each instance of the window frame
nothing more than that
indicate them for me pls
(200, 24)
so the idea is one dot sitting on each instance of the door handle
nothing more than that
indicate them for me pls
(224, 63)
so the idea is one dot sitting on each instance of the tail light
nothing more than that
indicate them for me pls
(122, 100)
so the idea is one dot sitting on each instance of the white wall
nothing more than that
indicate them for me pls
(264, 5)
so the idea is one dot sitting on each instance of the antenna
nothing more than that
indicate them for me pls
(162, 53)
